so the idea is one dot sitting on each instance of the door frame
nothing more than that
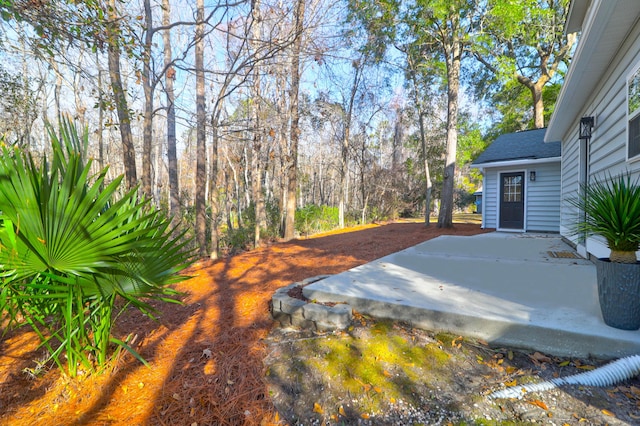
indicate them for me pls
(525, 190)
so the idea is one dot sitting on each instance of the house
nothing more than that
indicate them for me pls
(597, 114)
(521, 183)
(478, 201)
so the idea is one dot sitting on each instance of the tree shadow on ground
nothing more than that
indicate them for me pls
(206, 356)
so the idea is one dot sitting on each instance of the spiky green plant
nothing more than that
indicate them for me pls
(71, 244)
(611, 209)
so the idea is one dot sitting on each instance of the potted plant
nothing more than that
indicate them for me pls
(610, 208)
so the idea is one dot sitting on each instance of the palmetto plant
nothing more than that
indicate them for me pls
(611, 209)
(71, 244)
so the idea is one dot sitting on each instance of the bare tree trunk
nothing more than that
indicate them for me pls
(398, 135)
(172, 157)
(80, 106)
(344, 164)
(423, 138)
(538, 108)
(535, 88)
(246, 187)
(538, 103)
(100, 115)
(24, 134)
(453, 51)
(201, 149)
(321, 184)
(292, 184)
(158, 176)
(228, 205)
(257, 186)
(346, 136)
(281, 106)
(113, 54)
(256, 158)
(147, 127)
(427, 175)
(214, 194)
(363, 181)
(396, 161)
(57, 88)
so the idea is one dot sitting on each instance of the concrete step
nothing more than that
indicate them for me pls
(512, 293)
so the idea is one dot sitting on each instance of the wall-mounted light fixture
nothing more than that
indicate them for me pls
(532, 175)
(586, 126)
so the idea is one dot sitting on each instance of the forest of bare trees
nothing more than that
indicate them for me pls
(262, 119)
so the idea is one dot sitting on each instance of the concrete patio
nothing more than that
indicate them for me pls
(518, 290)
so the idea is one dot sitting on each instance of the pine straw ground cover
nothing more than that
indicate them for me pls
(206, 355)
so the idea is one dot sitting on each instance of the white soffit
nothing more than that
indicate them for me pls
(577, 11)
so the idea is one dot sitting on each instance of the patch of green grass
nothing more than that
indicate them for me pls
(467, 218)
(381, 366)
(383, 326)
(446, 338)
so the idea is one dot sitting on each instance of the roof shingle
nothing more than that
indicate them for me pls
(528, 144)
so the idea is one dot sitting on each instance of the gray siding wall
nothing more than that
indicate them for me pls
(543, 200)
(490, 198)
(607, 149)
(542, 197)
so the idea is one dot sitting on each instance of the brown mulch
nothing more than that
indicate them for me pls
(206, 355)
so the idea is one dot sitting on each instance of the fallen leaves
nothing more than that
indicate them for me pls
(510, 369)
(579, 418)
(586, 367)
(457, 342)
(361, 318)
(539, 358)
(607, 413)
(317, 408)
(632, 393)
(539, 403)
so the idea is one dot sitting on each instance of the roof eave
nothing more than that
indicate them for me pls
(575, 17)
(520, 162)
(591, 60)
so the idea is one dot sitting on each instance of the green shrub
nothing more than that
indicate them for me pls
(241, 237)
(273, 220)
(71, 244)
(236, 240)
(312, 219)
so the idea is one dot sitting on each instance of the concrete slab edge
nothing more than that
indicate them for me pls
(495, 332)
(292, 312)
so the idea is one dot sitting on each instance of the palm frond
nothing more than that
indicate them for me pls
(70, 243)
(611, 209)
